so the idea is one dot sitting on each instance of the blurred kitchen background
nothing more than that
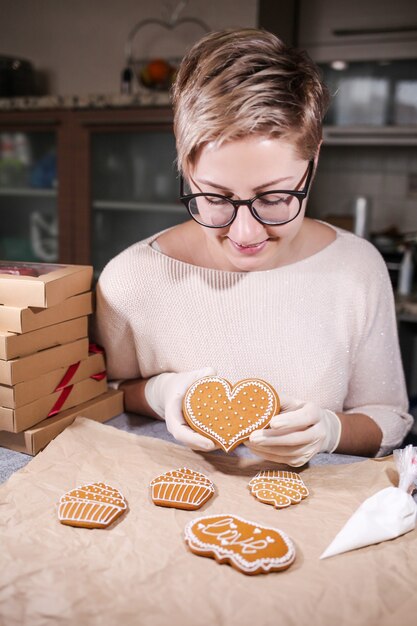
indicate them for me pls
(87, 155)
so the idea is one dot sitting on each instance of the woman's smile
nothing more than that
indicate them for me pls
(249, 249)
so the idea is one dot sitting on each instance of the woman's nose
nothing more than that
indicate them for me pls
(245, 229)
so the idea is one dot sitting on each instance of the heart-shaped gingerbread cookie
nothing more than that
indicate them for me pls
(228, 415)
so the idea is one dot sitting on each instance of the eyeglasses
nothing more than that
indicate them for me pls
(272, 208)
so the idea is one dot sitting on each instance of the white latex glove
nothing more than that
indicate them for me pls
(297, 433)
(164, 393)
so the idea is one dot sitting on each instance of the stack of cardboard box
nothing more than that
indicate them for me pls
(49, 372)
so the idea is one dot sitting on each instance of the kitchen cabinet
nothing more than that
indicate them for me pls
(34, 215)
(88, 183)
(358, 30)
(125, 181)
(367, 54)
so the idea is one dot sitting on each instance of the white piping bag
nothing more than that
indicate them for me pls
(385, 515)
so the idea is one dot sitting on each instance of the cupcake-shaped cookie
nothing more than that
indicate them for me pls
(95, 505)
(181, 489)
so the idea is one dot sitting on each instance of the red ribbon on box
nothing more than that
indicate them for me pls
(67, 376)
(64, 385)
(60, 402)
(93, 348)
(66, 392)
(99, 376)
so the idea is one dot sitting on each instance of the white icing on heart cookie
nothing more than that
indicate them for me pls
(226, 414)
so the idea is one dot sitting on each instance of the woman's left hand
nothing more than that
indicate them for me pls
(297, 433)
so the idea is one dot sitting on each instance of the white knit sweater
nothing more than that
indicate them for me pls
(322, 329)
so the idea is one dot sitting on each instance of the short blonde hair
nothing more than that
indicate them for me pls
(236, 83)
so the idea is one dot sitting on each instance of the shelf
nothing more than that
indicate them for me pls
(115, 205)
(28, 192)
(370, 135)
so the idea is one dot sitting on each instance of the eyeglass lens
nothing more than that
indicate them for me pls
(212, 210)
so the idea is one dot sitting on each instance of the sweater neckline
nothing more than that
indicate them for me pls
(313, 257)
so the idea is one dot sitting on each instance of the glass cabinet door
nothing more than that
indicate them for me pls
(375, 93)
(134, 189)
(28, 196)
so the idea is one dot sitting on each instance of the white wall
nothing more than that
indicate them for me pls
(79, 44)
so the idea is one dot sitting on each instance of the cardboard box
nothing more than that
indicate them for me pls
(34, 365)
(33, 440)
(40, 284)
(13, 345)
(30, 390)
(27, 319)
(16, 420)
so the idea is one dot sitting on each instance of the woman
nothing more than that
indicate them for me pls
(250, 287)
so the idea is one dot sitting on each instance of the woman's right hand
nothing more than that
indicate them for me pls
(164, 393)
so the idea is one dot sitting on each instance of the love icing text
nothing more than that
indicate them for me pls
(226, 531)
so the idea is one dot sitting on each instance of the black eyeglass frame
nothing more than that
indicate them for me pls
(300, 195)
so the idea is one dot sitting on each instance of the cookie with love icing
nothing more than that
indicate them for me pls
(182, 489)
(96, 505)
(228, 415)
(278, 488)
(247, 546)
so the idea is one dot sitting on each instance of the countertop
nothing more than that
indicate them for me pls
(140, 571)
(11, 461)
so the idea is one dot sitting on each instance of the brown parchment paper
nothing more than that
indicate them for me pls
(139, 571)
